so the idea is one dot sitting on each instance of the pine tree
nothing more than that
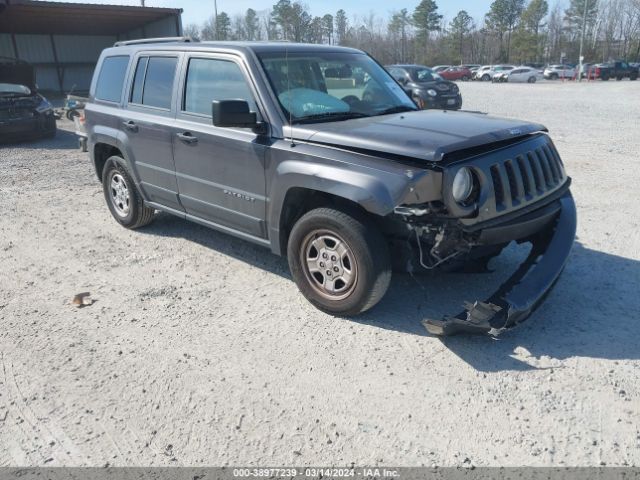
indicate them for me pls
(502, 18)
(459, 30)
(341, 26)
(251, 25)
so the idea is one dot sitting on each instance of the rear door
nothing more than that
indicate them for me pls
(220, 171)
(147, 124)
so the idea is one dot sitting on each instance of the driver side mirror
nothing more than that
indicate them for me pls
(233, 113)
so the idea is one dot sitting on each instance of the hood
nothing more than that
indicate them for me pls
(423, 135)
(434, 83)
(19, 73)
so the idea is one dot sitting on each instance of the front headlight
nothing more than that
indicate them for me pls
(432, 93)
(462, 185)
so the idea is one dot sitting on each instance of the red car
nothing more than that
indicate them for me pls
(456, 73)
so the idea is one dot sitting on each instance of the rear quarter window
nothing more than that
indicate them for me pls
(111, 78)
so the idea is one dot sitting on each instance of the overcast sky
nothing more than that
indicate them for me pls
(196, 11)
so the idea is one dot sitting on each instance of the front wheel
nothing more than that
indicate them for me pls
(339, 260)
(123, 198)
(532, 80)
(486, 78)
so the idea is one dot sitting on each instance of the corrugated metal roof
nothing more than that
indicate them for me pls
(29, 16)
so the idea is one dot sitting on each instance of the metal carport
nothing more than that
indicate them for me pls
(63, 40)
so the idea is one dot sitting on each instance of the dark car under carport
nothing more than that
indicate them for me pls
(24, 113)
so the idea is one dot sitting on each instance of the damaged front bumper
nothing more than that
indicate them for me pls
(526, 289)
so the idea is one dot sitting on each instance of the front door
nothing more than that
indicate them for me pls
(220, 171)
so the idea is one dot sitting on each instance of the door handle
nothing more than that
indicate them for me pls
(130, 125)
(187, 138)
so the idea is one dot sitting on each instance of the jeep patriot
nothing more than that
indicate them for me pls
(317, 153)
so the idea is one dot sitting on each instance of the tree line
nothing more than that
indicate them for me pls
(513, 31)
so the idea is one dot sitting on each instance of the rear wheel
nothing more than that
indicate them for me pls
(339, 260)
(554, 76)
(618, 78)
(123, 198)
(486, 78)
(465, 78)
(532, 80)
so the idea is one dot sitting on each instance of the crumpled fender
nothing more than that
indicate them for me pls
(376, 191)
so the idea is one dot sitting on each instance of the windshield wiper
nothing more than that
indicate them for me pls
(397, 109)
(330, 116)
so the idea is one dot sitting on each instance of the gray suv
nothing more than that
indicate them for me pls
(317, 153)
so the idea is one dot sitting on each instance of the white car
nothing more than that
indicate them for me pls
(554, 72)
(521, 75)
(487, 74)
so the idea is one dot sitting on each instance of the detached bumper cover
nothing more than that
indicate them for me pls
(526, 289)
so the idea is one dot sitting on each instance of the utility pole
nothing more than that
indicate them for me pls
(215, 18)
(142, 3)
(584, 27)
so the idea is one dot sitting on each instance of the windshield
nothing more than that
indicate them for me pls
(424, 75)
(12, 88)
(333, 86)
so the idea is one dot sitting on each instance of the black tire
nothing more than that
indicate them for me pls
(465, 78)
(633, 77)
(605, 78)
(72, 113)
(485, 77)
(130, 214)
(419, 102)
(366, 250)
(555, 76)
(532, 80)
(618, 78)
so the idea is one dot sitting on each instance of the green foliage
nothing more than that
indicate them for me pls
(574, 15)
(426, 18)
(459, 31)
(251, 25)
(342, 25)
(534, 14)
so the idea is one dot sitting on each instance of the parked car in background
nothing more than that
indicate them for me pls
(477, 74)
(456, 73)
(439, 68)
(555, 72)
(249, 139)
(489, 74)
(536, 66)
(24, 113)
(427, 88)
(519, 75)
(617, 70)
(471, 66)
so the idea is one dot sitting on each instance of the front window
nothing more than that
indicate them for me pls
(314, 87)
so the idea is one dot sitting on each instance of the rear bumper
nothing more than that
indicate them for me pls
(526, 289)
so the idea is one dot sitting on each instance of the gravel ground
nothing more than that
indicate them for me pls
(200, 351)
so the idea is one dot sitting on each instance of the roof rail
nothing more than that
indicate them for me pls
(142, 41)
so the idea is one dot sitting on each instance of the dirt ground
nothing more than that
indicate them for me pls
(199, 350)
